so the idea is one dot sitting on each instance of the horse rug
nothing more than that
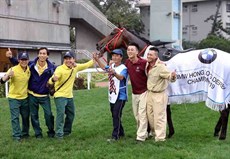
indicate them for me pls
(202, 75)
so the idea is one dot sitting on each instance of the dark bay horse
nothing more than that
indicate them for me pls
(120, 38)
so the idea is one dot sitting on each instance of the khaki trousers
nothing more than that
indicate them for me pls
(156, 112)
(139, 112)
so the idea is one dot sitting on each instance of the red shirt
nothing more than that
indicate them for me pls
(137, 75)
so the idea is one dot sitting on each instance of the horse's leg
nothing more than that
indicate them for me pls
(224, 116)
(218, 126)
(170, 123)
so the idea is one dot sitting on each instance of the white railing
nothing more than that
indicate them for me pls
(6, 84)
(89, 77)
(95, 11)
(88, 71)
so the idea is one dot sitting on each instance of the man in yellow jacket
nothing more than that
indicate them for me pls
(18, 77)
(63, 80)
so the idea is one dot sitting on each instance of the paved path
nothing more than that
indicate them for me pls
(104, 84)
(101, 84)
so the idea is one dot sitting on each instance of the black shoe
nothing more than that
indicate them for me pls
(139, 141)
(66, 133)
(39, 136)
(111, 140)
(17, 139)
(122, 136)
(25, 136)
(59, 138)
(51, 134)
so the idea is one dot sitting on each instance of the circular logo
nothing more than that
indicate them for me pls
(207, 56)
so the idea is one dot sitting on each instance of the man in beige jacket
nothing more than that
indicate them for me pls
(157, 99)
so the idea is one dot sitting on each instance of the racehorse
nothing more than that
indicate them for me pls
(120, 38)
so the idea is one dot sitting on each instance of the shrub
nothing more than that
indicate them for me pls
(189, 44)
(215, 42)
(92, 84)
(82, 60)
(79, 83)
(2, 91)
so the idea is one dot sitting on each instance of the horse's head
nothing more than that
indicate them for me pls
(116, 39)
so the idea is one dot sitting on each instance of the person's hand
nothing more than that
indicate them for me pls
(9, 53)
(173, 75)
(111, 62)
(11, 73)
(55, 78)
(112, 71)
(95, 56)
(8, 76)
(74, 64)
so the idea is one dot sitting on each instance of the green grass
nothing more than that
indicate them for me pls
(193, 139)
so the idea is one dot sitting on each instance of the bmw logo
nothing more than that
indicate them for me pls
(207, 56)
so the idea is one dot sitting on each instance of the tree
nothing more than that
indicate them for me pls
(121, 12)
(217, 24)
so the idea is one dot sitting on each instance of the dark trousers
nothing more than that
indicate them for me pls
(116, 110)
(49, 118)
(19, 107)
(64, 106)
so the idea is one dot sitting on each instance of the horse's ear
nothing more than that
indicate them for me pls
(120, 25)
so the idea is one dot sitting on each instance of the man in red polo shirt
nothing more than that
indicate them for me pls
(136, 69)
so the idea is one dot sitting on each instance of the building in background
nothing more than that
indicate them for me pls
(144, 6)
(162, 20)
(166, 22)
(193, 14)
(26, 25)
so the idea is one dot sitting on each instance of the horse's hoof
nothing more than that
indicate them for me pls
(222, 137)
(171, 134)
(216, 134)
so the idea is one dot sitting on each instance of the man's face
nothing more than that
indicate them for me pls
(69, 61)
(116, 58)
(151, 56)
(42, 55)
(23, 63)
(132, 51)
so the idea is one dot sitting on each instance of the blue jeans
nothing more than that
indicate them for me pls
(64, 106)
(19, 107)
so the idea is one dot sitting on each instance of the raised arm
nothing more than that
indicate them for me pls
(100, 64)
(7, 76)
(12, 59)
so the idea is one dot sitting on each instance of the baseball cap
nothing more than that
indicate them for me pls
(23, 56)
(117, 51)
(69, 54)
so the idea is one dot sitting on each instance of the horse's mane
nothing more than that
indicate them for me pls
(155, 43)
(140, 37)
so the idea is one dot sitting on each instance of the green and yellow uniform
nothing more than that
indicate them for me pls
(18, 101)
(63, 97)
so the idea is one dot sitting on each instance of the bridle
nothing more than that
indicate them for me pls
(114, 42)
(115, 39)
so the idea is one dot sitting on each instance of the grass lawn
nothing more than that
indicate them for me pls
(193, 139)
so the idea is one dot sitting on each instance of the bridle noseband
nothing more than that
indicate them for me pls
(115, 38)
